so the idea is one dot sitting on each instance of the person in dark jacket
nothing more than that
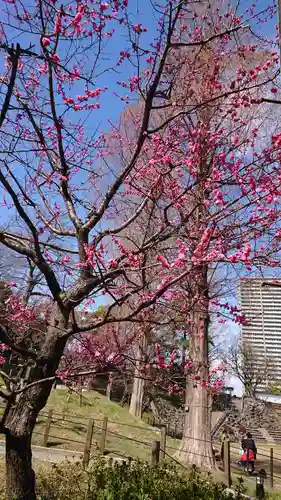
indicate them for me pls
(249, 444)
(249, 451)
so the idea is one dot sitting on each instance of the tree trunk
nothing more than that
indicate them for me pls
(20, 477)
(125, 392)
(20, 416)
(109, 385)
(137, 395)
(196, 445)
(138, 383)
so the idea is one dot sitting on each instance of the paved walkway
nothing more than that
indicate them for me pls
(55, 455)
(48, 454)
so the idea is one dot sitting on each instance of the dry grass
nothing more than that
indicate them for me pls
(70, 481)
(263, 460)
(126, 435)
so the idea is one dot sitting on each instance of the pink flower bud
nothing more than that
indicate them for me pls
(45, 42)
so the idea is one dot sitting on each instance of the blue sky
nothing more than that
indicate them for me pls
(111, 107)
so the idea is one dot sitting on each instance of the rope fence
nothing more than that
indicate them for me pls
(156, 446)
(160, 449)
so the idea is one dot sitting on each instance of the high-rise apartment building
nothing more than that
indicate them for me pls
(262, 306)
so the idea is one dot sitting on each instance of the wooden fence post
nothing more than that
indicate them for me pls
(47, 428)
(271, 468)
(155, 452)
(227, 470)
(88, 442)
(103, 435)
(163, 443)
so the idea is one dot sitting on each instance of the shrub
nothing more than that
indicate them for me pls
(127, 481)
(67, 481)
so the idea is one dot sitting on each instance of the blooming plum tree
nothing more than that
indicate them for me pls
(104, 352)
(211, 179)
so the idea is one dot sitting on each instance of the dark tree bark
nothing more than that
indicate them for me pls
(20, 477)
(20, 415)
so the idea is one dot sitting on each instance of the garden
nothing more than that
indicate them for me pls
(108, 480)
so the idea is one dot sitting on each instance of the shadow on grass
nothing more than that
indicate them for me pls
(79, 428)
(52, 444)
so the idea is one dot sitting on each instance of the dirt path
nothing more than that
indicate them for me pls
(48, 454)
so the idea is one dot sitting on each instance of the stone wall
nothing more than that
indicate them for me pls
(254, 415)
(165, 413)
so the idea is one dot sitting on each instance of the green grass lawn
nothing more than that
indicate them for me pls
(262, 462)
(126, 435)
